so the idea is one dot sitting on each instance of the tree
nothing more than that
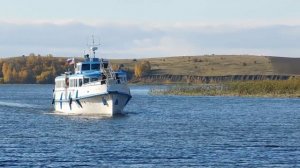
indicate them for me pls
(15, 76)
(1, 64)
(141, 69)
(31, 68)
(115, 67)
(45, 77)
(138, 70)
(25, 77)
(7, 74)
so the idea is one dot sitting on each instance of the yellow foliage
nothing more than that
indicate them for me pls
(142, 68)
(115, 67)
(7, 73)
(45, 77)
(31, 69)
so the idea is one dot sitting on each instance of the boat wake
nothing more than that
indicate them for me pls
(20, 105)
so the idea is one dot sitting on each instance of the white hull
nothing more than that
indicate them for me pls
(92, 99)
(108, 104)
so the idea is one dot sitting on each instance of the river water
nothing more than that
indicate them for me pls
(156, 131)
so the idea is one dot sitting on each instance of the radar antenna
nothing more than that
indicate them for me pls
(94, 46)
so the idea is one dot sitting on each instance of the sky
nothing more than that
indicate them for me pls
(150, 28)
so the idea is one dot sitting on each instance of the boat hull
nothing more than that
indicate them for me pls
(103, 104)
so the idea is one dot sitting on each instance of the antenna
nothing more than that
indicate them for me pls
(94, 46)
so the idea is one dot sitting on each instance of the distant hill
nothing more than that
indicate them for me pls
(43, 69)
(282, 65)
(219, 65)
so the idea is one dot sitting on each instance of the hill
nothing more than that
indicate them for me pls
(43, 69)
(282, 65)
(218, 65)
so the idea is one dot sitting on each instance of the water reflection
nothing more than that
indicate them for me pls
(89, 116)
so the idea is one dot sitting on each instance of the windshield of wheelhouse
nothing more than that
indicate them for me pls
(85, 67)
(95, 66)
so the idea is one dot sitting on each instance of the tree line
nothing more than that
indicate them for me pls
(39, 69)
(32, 69)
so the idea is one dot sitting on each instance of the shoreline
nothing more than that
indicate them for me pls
(288, 89)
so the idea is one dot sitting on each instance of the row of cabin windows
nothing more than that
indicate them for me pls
(60, 84)
(74, 82)
(86, 67)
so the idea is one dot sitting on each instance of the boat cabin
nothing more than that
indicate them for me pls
(91, 71)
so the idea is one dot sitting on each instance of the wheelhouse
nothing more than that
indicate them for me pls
(91, 64)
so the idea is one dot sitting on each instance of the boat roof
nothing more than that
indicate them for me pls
(94, 60)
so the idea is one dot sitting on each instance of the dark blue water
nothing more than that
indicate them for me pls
(156, 131)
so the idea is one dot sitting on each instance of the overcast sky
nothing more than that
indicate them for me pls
(150, 28)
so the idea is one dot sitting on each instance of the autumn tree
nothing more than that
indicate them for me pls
(25, 76)
(142, 68)
(7, 73)
(1, 64)
(115, 67)
(45, 77)
(31, 69)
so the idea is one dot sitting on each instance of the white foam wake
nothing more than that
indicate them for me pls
(22, 105)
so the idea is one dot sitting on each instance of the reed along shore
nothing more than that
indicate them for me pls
(267, 88)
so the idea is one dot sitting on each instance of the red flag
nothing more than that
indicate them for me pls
(71, 61)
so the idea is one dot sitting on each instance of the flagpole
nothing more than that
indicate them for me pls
(74, 65)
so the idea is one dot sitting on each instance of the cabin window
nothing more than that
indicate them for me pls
(78, 67)
(80, 82)
(71, 83)
(86, 80)
(59, 84)
(105, 64)
(95, 66)
(94, 79)
(85, 67)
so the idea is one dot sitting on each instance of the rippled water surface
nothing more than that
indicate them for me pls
(156, 131)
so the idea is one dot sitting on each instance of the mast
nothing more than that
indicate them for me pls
(94, 46)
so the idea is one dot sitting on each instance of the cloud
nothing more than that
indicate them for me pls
(128, 40)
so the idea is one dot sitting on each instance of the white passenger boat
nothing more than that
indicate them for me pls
(94, 88)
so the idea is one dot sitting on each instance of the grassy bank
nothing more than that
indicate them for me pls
(288, 88)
